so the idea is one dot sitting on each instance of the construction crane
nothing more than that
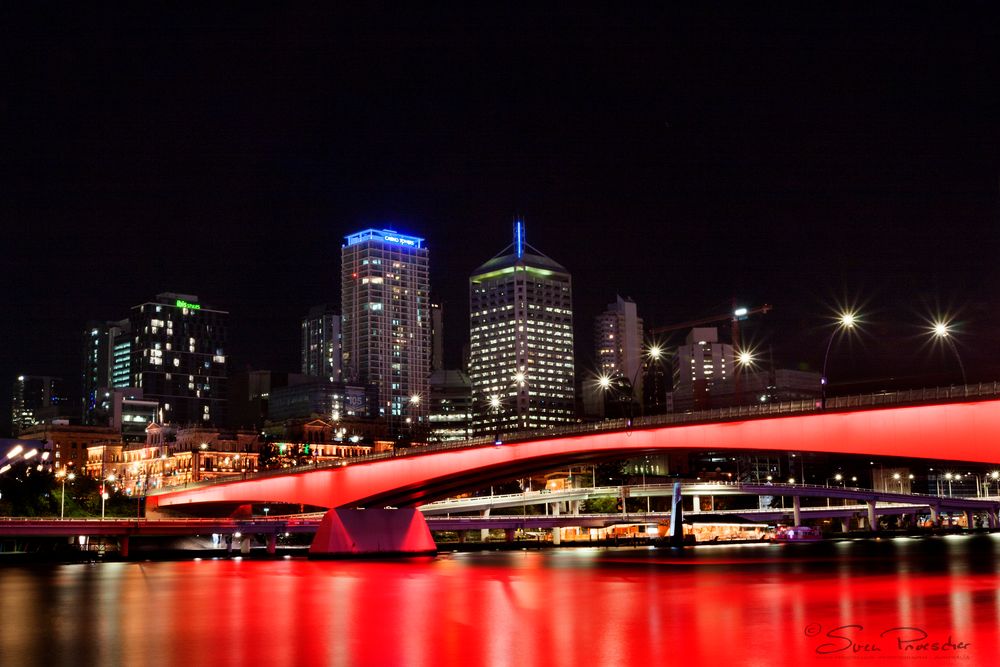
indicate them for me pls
(735, 316)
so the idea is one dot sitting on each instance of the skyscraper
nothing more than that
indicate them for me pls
(385, 319)
(321, 347)
(521, 340)
(618, 342)
(179, 359)
(702, 366)
(36, 399)
(106, 366)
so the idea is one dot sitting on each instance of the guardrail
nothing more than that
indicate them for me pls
(755, 411)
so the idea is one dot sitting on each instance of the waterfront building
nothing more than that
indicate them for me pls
(306, 396)
(321, 343)
(69, 442)
(385, 321)
(521, 340)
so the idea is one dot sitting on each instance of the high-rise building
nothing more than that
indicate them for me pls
(321, 346)
(178, 358)
(385, 321)
(437, 337)
(618, 343)
(107, 348)
(36, 399)
(521, 340)
(702, 366)
(450, 415)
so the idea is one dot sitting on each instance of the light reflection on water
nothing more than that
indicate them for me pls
(752, 605)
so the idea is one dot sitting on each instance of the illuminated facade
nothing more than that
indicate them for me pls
(451, 407)
(385, 322)
(521, 340)
(321, 346)
(36, 399)
(179, 359)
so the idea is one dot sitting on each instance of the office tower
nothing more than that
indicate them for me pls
(521, 340)
(618, 342)
(107, 348)
(385, 319)
(36, 399)
(179, 359)
(321, 347)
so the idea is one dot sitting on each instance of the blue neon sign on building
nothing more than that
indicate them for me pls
(386, 236)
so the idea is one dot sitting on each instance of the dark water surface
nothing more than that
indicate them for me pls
(735, 605)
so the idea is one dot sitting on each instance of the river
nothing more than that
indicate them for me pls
(833, 603)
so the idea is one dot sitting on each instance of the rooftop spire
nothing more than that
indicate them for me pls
(518, 236)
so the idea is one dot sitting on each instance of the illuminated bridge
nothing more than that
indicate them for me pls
(959, 424)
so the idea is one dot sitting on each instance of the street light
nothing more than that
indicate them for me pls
(845, 322)
(995, 476)
(899, 480)
(62, 501)
(104, 493)
(941, 330)
(948, 476)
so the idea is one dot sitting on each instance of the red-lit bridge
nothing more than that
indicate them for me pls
(965, 428)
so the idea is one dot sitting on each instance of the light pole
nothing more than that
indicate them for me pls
(948, 476)
(845, 322)
(104, 493)
(899, 480)
(941, 330)
(62, 501)
(995, 476)
(495, 404)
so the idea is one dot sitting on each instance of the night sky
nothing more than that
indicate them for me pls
(801, 157)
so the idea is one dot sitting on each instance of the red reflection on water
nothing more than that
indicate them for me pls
(761, 606)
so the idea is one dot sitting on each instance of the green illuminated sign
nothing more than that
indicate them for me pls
(181, 303)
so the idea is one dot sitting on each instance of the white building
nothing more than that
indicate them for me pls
(321, 346)
(385, 319)
(702, 366)
(521, 340)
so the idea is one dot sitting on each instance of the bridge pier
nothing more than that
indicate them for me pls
(245, 545)
(935, 516)
(797, 510)
(348, 532)
(272, 544)
(872, 517)
(508, 534)
(229, 544)
(123, 546)
(556, 536)
(970, 520)
(845, 525)
(484, 533)
(991, 516)
(695, 504)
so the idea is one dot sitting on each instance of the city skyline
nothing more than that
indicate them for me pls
(691, 167)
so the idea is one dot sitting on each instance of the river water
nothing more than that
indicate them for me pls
(709, 605)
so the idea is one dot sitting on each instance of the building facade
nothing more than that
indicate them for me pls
(178, 358)
(450, 416)
(521, 340)
(618, 353)
(385, 319)
(321, 344)
(107, 363)
(703, 366)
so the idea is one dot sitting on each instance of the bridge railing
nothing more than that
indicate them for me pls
(762, 410)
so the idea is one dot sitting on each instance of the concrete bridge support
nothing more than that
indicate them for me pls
(872, 517)
(123, 546)
(484, 533)
(991, 516)
(797, 510)
(245, 545)
(348, 532)
(695, 504)
(556, 536)
(272, 544)
(845, 525)
(935, 515)
(508, 534)
(970, 519)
